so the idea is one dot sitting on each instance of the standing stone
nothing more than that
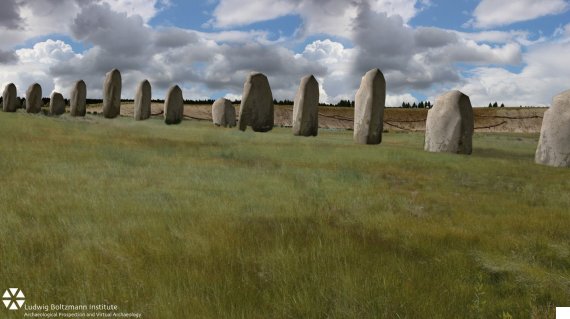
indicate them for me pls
(306, 108)
(256, 109)
(223, 113)
(143, 101)
(10, 102)
(34, 101)
(78, 99)
(554, 143)
(56, 104)
(112, 94)
(449, 124)
(369, 108)
(174, 106)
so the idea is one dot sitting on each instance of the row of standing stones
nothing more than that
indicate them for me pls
(449, 124)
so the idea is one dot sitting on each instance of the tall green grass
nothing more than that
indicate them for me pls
(193, 221)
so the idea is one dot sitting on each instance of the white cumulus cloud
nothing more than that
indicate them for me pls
(492, 13)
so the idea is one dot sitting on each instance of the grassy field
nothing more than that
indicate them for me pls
(193, 221)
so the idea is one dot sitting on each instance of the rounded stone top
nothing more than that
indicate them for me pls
(54, 93)
(562, 101)
(256, 74)
(114, 73)
(565, 94)
(456, 92)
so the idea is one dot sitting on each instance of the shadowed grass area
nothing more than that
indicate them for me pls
(193, 221)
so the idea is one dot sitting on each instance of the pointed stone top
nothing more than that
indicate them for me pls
(374, 73)
(310, 77)
(174, 88)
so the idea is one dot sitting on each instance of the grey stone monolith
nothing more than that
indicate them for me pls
(34, 101)
(449, 124)
(369, 108)
(306, 108)
(78, 99)
(554, 143)
(10, 102)
(174, 106)
(143, 101)
(56, 104)
(112, 94)
(223, 113)
(256, 109)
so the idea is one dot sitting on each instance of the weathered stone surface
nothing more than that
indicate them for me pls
(449, 124)
(256, 109)
(10, 102)
(554, 143)
(174, 106)
(223, 113)
(112, 94)
(143, 101)
(78, 99)
(34, 101)
(369, 108)
(306, 108)
(56, 104)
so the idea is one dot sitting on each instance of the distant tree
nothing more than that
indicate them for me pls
(414, 106)
(502, 104)
(490, 105)
(495, 104)
(421, 105)
(345, 103)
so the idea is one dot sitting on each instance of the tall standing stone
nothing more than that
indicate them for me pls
(56, 104)
(449, 124)
(554, 143)
(112, 94)
(223, 113)
(369, 108)
(306, 108)
(10, 102)
(256, 109)
(78, 99)
(34, 101)
(174, 106)
(143, 101)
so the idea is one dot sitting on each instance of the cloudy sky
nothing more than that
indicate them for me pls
(516, 52)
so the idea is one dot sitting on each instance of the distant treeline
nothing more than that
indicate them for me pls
(421, 105)
(341, 103)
